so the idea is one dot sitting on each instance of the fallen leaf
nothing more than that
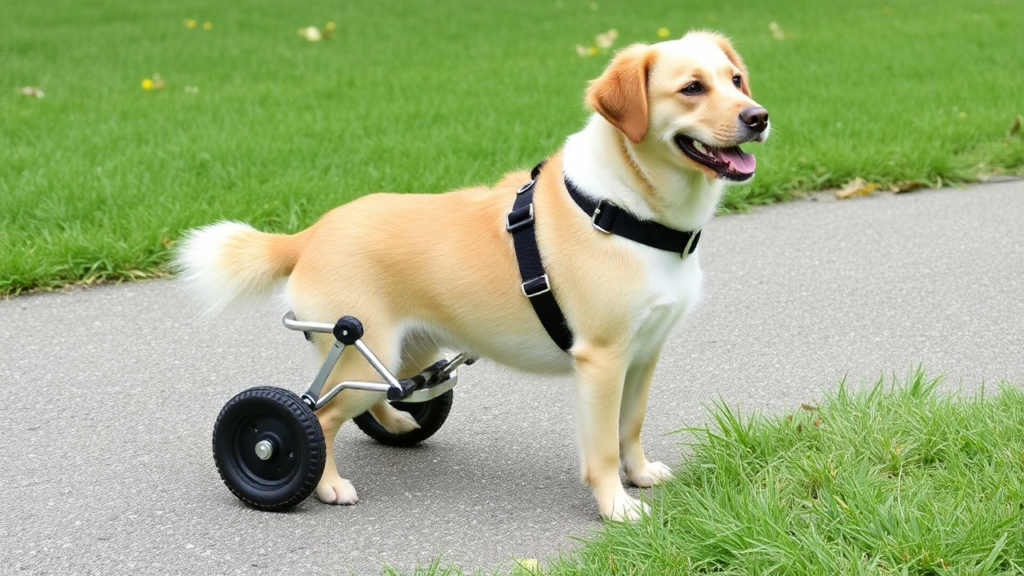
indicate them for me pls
(776, 30)
(190, 23)
(526, 566)
(907, 186)
(207, 25)
(605, 40)
(663, 32)
(311, 33)
(31, 91)
(856, 187)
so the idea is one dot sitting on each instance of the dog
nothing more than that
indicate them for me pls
(426, 272)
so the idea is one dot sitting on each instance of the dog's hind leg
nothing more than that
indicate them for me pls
(416, 355)
(600, 377)
(332, 488)
(638, 469)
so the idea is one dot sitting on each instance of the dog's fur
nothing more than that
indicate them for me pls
(425, 272)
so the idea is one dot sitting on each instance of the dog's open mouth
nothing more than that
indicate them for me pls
(730, 163)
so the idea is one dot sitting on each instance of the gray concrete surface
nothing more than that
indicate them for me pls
(109, 396)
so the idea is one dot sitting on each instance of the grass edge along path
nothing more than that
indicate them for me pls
(893, 478)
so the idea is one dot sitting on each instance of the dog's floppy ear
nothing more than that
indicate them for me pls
(733, 57)
(620, 94)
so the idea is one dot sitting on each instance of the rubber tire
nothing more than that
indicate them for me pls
(292, 472)
(430, 415)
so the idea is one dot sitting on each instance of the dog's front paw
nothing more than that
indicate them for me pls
(625, 508)
(650, 474)
(336, 490)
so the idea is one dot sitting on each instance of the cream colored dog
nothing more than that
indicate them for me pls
(425, 272)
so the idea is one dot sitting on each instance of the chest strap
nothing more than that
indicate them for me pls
(607, 218)
(536, 286)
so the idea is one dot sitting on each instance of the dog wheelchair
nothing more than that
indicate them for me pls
(268, 445)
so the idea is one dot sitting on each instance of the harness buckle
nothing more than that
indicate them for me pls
(691, 244)
(602, 205)
(519, 218)
(526, 187)
(536, 286)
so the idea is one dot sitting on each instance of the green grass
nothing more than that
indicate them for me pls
(896, 479)
(100, 176)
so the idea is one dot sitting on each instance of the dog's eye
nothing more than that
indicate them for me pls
(737, 81)
(692, 89)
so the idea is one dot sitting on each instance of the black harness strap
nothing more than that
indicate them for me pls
(536, 285)
(606, 217)
(611, 219)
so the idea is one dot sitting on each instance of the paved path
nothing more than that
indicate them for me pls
(108, 396)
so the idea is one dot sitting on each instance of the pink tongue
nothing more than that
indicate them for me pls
(738, 160)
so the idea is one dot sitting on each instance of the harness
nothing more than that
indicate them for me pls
(606, 218)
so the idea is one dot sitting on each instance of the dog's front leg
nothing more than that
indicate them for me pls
(638, 469)
(600, 376)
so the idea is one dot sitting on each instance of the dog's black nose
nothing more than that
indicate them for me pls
(755, 117)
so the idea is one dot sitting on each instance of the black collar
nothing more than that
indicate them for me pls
(610, 219)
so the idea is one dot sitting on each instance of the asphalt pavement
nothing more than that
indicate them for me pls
(108, 396)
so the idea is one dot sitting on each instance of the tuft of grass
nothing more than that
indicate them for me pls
(893, 479)
(889, 479)
(256, 123)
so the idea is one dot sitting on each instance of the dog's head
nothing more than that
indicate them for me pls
(687, 101)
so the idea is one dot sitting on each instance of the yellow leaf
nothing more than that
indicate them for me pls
(190, 23)
(663, 32)
(856, 187)
(906, 186)
(526, 566)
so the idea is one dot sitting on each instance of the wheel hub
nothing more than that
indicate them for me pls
(264, 449)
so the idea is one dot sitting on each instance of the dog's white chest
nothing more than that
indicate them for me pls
(671, 290)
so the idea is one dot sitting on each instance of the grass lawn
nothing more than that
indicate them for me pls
(256, 123)
(894, 479)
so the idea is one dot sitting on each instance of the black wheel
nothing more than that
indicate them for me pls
(269, 448)
(430, 415)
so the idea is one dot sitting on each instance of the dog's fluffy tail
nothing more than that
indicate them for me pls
(229, 262)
